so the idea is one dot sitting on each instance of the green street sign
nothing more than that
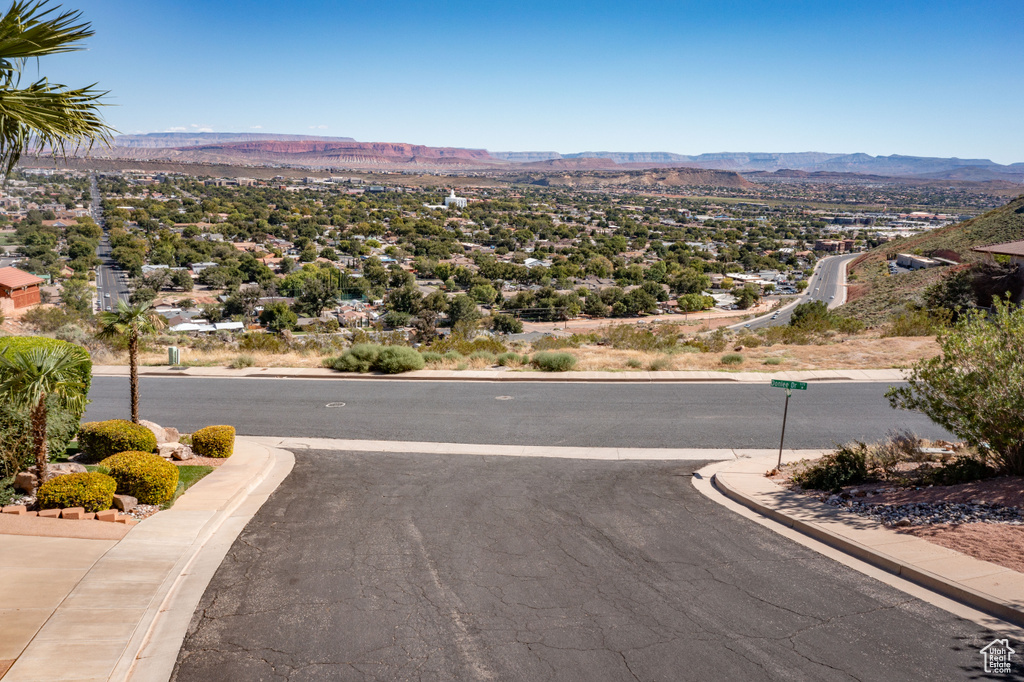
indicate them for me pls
(797, 385)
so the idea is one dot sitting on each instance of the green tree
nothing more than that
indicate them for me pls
(43, 114)
(277, 316)
(131, 322)
(462, 308)
(28, 378)
(506, 324)
(975, 387)
(747, 295)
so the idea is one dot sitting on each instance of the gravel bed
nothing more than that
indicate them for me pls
(931, 513)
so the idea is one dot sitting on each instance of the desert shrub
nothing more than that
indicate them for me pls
(559, 342)
(510, 359)
(659, 365)
(732, 359)
(453, 356)
(899, 446)
(93, 491)
(715, 342)
(456, 342)
(484, 355)
(147, 477)
(398, 359)
(214, 441)
(634, 363)
(846, 466)
(815, 317)
(772, 361)
(243, 361)
(554, 362)
(961, 469)
(432, 358)
(359, 358)
(918, 323)
(270, 343)
(103, 439)
(662, 337)
(749, 340)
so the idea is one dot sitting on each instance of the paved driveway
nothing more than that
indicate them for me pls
(431, 567)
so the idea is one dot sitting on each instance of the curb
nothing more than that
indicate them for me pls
(947, 588)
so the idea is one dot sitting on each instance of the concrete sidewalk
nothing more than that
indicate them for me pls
(843, 375)
(79, 609)
(987, 587)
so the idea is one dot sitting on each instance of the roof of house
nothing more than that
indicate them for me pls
(1006, 249)
(14, 278)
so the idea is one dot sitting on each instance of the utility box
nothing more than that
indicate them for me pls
(173, 356)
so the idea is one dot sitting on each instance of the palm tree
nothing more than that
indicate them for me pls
(130, 322)
(28, 378)
(43, 114)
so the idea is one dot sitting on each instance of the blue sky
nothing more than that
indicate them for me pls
(924, 78)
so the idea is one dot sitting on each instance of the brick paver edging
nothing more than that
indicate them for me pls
(946, 587)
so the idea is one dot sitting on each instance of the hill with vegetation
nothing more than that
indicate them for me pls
(875, 296)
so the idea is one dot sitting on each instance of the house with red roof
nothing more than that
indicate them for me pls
(18, 289)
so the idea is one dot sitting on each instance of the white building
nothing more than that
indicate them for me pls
(452, 200)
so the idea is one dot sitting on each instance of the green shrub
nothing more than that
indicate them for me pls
(214, 441)
(663, 337)
(732, 359)
(846, 466)
(510, 359)
(93, 491)
(484, 355)
(453, 355)
(147, 477)
(359, 358)
(554, 362)
(103, 439)
(243, 361)
(398, 359)
(772, 361)
(962, 469)
(634, 363)
(7, 492)
(432, 358)
(15, 426)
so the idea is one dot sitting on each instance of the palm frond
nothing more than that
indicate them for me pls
(43, 114)
(28, 376)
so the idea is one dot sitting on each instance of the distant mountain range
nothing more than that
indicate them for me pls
(317, 152)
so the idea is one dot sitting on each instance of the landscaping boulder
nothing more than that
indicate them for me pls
(158, 431)
(173, 435)
(26, 482)
(125, 503)
(178, 451)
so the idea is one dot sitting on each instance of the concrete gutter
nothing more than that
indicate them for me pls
(494, 375)
(987, 587)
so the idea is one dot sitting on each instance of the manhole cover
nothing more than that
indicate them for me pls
(335, 405)
(504, 397)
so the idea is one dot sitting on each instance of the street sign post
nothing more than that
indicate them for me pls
(790, 386)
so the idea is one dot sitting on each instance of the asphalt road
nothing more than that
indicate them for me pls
(597, 415)
(111, 282)
(822, 286)
(430, 567)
